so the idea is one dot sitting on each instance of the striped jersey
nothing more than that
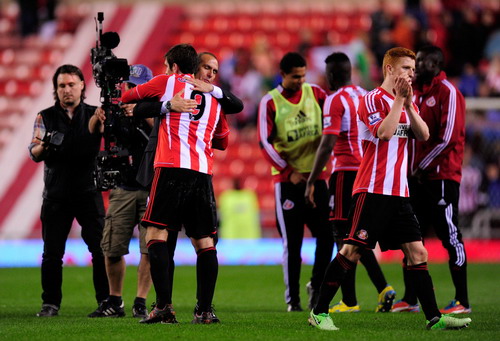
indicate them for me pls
(384, 166)
(184, 139)
(340, 118)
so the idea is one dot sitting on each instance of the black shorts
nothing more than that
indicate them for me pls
(386, 219)
(340, 187)
(182, 197)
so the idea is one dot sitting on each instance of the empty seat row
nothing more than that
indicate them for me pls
(254, 8)
(274, 24)
(30, 56)
(25, 72)
(16, 88)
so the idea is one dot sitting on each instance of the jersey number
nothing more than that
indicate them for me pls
(200, 108)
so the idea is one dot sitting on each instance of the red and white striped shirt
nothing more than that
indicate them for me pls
(184, 139)
(383, 169)
(340, 118)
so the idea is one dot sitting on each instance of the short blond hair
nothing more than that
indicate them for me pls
(394, 54)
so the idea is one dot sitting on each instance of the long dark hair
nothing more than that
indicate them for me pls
(72, 70)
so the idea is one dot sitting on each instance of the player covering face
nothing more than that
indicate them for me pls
(380, 212)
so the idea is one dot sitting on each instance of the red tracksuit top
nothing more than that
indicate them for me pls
(442, 107)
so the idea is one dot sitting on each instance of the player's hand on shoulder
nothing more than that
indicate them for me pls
(199, 85)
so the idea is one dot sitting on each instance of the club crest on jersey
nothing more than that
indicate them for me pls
(362, 234)
(374, 118)
(431, 101)
(288, 205)
(182, 79)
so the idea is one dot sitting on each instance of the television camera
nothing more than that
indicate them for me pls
(109, 72)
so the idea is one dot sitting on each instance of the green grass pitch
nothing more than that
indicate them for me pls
(249, 302)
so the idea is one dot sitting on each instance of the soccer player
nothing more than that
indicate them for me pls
(182, 192)
(380, 210)
(208, 68)
(340, 140)
(436, 172)
(289, 129)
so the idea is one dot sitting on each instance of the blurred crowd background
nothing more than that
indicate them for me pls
(249, 38)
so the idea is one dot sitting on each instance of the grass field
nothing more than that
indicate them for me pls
(249, 302)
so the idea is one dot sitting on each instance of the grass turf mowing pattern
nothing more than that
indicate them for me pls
(249, 302)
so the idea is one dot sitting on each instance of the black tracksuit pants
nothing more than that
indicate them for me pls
(292, 214)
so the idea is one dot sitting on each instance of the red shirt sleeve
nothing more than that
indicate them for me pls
(372, 112)
(266, 132)
(153, 89)
(221, 134)
(333, 111)
(320, 94)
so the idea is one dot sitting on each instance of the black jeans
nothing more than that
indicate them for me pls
(57, 218)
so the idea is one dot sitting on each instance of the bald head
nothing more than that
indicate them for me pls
(208, 67)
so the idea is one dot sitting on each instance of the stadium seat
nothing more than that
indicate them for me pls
(251, 182)
(261, 168)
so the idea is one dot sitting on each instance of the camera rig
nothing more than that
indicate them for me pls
(109, 72)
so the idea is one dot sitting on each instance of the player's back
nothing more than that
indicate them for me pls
(341, 119)
(185, 139)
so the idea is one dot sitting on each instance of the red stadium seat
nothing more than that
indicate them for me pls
(251, 182)
(262, 168)
(265, 186)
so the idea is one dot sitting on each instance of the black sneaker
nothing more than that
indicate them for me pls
(205, 317)
(292, 307)
(107, 309)
(48, 310)
(165, 315)
(140, 310)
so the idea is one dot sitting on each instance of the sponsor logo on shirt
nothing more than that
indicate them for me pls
(431, 101)
(288, 205)
(296, 134)
(182, 79)
(301, 118)
(374, 118)
(402, 130)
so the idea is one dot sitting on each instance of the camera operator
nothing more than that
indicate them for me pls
(127, 204)
(62, 140)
